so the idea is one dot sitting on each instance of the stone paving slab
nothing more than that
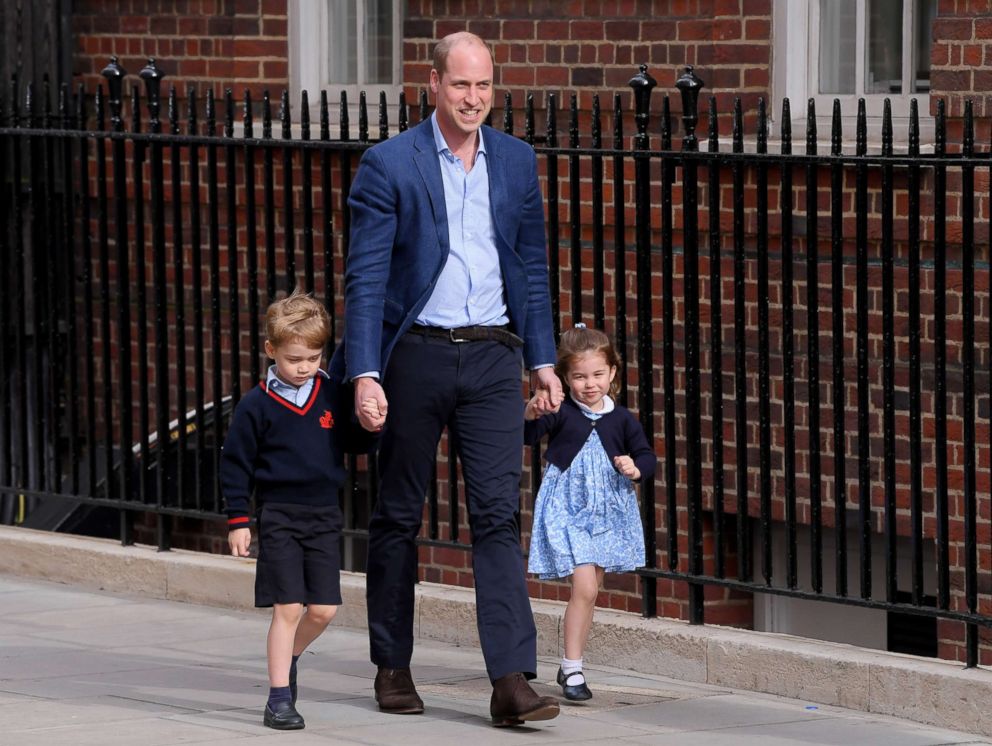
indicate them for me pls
(938, 693)
(64, 681)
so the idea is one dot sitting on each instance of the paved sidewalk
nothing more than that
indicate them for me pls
(82, 667)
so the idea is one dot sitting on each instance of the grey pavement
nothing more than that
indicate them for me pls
(85, 667)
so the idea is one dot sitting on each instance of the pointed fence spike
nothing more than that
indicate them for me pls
(713, 134)
(529, 119)
(285, 121)
(738, 133)
(597, 125)
(325, 117)
(862, 128)
(383, 117)
(363, 117)
(404, 122)
(249, 130)
(228, 112)
(343, 117)
(266, 114)
(573, 121)
(552, 123)
(811, 127)
(835, 129)
(786, 130)
(617, 121)
(887, 127)
(304, 115)
(914, 128)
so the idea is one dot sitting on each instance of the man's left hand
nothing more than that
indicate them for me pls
(547, 390)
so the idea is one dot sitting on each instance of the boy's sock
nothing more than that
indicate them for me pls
(292, 679)
(278, 694)
(572, 669)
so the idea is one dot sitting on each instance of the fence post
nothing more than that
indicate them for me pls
(114, 74)
(152, 76)
(642, 84)
(689, 86)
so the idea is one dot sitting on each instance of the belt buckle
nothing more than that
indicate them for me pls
(456, 340)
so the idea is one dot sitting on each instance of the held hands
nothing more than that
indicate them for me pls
(238, 540)
(370, 404)
(546, 385)
(625, 465)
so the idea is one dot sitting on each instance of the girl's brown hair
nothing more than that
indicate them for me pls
(584, 341)
(298, 317)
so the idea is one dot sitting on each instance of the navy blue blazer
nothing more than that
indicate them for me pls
(399, 244)
(568, 429)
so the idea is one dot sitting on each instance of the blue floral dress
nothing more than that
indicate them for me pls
(586, 514)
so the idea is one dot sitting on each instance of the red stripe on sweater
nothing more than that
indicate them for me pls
(290, 405)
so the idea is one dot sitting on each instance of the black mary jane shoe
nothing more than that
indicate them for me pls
(576, 692)
(283, 717)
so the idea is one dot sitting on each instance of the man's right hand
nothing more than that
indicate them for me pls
(370, 404)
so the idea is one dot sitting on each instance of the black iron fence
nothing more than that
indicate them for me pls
(806, 335)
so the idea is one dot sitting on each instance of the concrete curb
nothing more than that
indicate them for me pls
(939, 693)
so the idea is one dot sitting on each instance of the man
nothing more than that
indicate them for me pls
(446, 288)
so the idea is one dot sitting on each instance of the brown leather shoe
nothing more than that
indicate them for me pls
(514, 701)
(395, 692)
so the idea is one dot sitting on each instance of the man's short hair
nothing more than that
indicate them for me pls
(443, 48)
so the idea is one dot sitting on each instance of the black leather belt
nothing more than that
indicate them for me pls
(469, 334)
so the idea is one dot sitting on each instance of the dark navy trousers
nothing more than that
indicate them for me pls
(473, 388)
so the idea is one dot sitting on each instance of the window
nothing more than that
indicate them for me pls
(852, 49)
(350, 45)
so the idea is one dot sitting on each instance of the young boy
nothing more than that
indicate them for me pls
(286, 444)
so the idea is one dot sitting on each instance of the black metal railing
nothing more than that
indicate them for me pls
(703, 278)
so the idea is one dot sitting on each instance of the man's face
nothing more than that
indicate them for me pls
(465, 90)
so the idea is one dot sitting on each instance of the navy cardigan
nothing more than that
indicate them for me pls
(568, 430)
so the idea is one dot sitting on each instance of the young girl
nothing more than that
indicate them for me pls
(586, 520)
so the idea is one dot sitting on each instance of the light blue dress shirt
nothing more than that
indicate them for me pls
(469, 290)
(296, 396)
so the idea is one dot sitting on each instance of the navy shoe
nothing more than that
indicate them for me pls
(283, 717)
(574, 692)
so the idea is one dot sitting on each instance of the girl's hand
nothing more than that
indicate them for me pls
(625, 465)
(533, 409)
(238, 540)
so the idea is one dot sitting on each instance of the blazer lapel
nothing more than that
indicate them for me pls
(498, 186)
(426, 160)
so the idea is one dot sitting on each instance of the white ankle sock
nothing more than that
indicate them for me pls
(573, 671)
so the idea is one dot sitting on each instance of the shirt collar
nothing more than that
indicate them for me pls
(274, 382)
(608, 406)
(442, 145)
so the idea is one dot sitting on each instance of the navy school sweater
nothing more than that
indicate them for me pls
(284, 453)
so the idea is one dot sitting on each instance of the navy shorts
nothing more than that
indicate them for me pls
(299, 555)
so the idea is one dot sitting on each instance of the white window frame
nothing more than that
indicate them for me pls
(795, 32)
(309, 66)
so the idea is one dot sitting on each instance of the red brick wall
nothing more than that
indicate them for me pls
(589, 46)
(231, 43)
(961, 56)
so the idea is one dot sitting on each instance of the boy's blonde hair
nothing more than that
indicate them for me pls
(297, 317)
(584, 341)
